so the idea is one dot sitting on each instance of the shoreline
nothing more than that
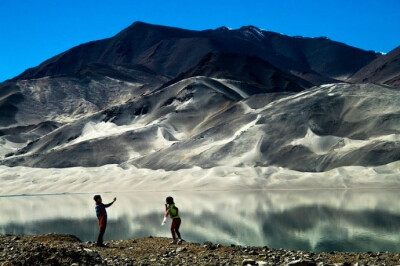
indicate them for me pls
(113, 178)
(59, 249)
(203, 190)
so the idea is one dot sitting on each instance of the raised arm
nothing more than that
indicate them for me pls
(167, 211)
(111, 203)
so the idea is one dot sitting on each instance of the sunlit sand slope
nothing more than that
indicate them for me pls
(198, 134)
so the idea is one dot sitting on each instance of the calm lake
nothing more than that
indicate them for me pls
(312, 220)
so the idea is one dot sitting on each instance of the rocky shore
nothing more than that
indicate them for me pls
(56, 249)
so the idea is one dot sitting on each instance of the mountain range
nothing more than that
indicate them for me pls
(231, 102)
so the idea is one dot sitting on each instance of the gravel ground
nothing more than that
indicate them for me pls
(56, 249)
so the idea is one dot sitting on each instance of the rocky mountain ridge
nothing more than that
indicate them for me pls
(170, 51)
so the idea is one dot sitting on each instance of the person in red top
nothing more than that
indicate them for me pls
(101, 214)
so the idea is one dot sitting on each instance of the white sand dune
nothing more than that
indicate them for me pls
(7, 146)
(198, 134)
(26, 180)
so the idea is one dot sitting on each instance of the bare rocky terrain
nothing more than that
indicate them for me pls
(56, 249)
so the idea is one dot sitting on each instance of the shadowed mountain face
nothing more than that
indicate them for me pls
(383, 70)
(171, 51)
(246, 69)
(10, 96)
(156, 98)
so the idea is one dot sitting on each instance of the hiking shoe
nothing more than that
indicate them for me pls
(180, 241)
(102, 245)
(173, 241)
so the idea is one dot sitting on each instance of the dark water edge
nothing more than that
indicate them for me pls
(309, 220)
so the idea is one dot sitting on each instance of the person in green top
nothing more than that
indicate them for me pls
(172, 211)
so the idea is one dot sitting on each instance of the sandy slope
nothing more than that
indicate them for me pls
(198, 134)
(26, 180)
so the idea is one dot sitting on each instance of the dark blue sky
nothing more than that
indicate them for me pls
(34, 30)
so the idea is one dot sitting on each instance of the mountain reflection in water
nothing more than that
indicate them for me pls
(316, 220)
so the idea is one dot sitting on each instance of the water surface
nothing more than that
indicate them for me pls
(312, 220)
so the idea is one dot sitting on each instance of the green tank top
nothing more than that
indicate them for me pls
(173, 211)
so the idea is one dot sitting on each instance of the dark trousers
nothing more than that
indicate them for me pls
(101, 233)
(176, 223)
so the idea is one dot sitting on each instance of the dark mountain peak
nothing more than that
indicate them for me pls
(251, 29)
(222, 28)
(252, 34)
(170, 51)
(140, 28)
(139, 24)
